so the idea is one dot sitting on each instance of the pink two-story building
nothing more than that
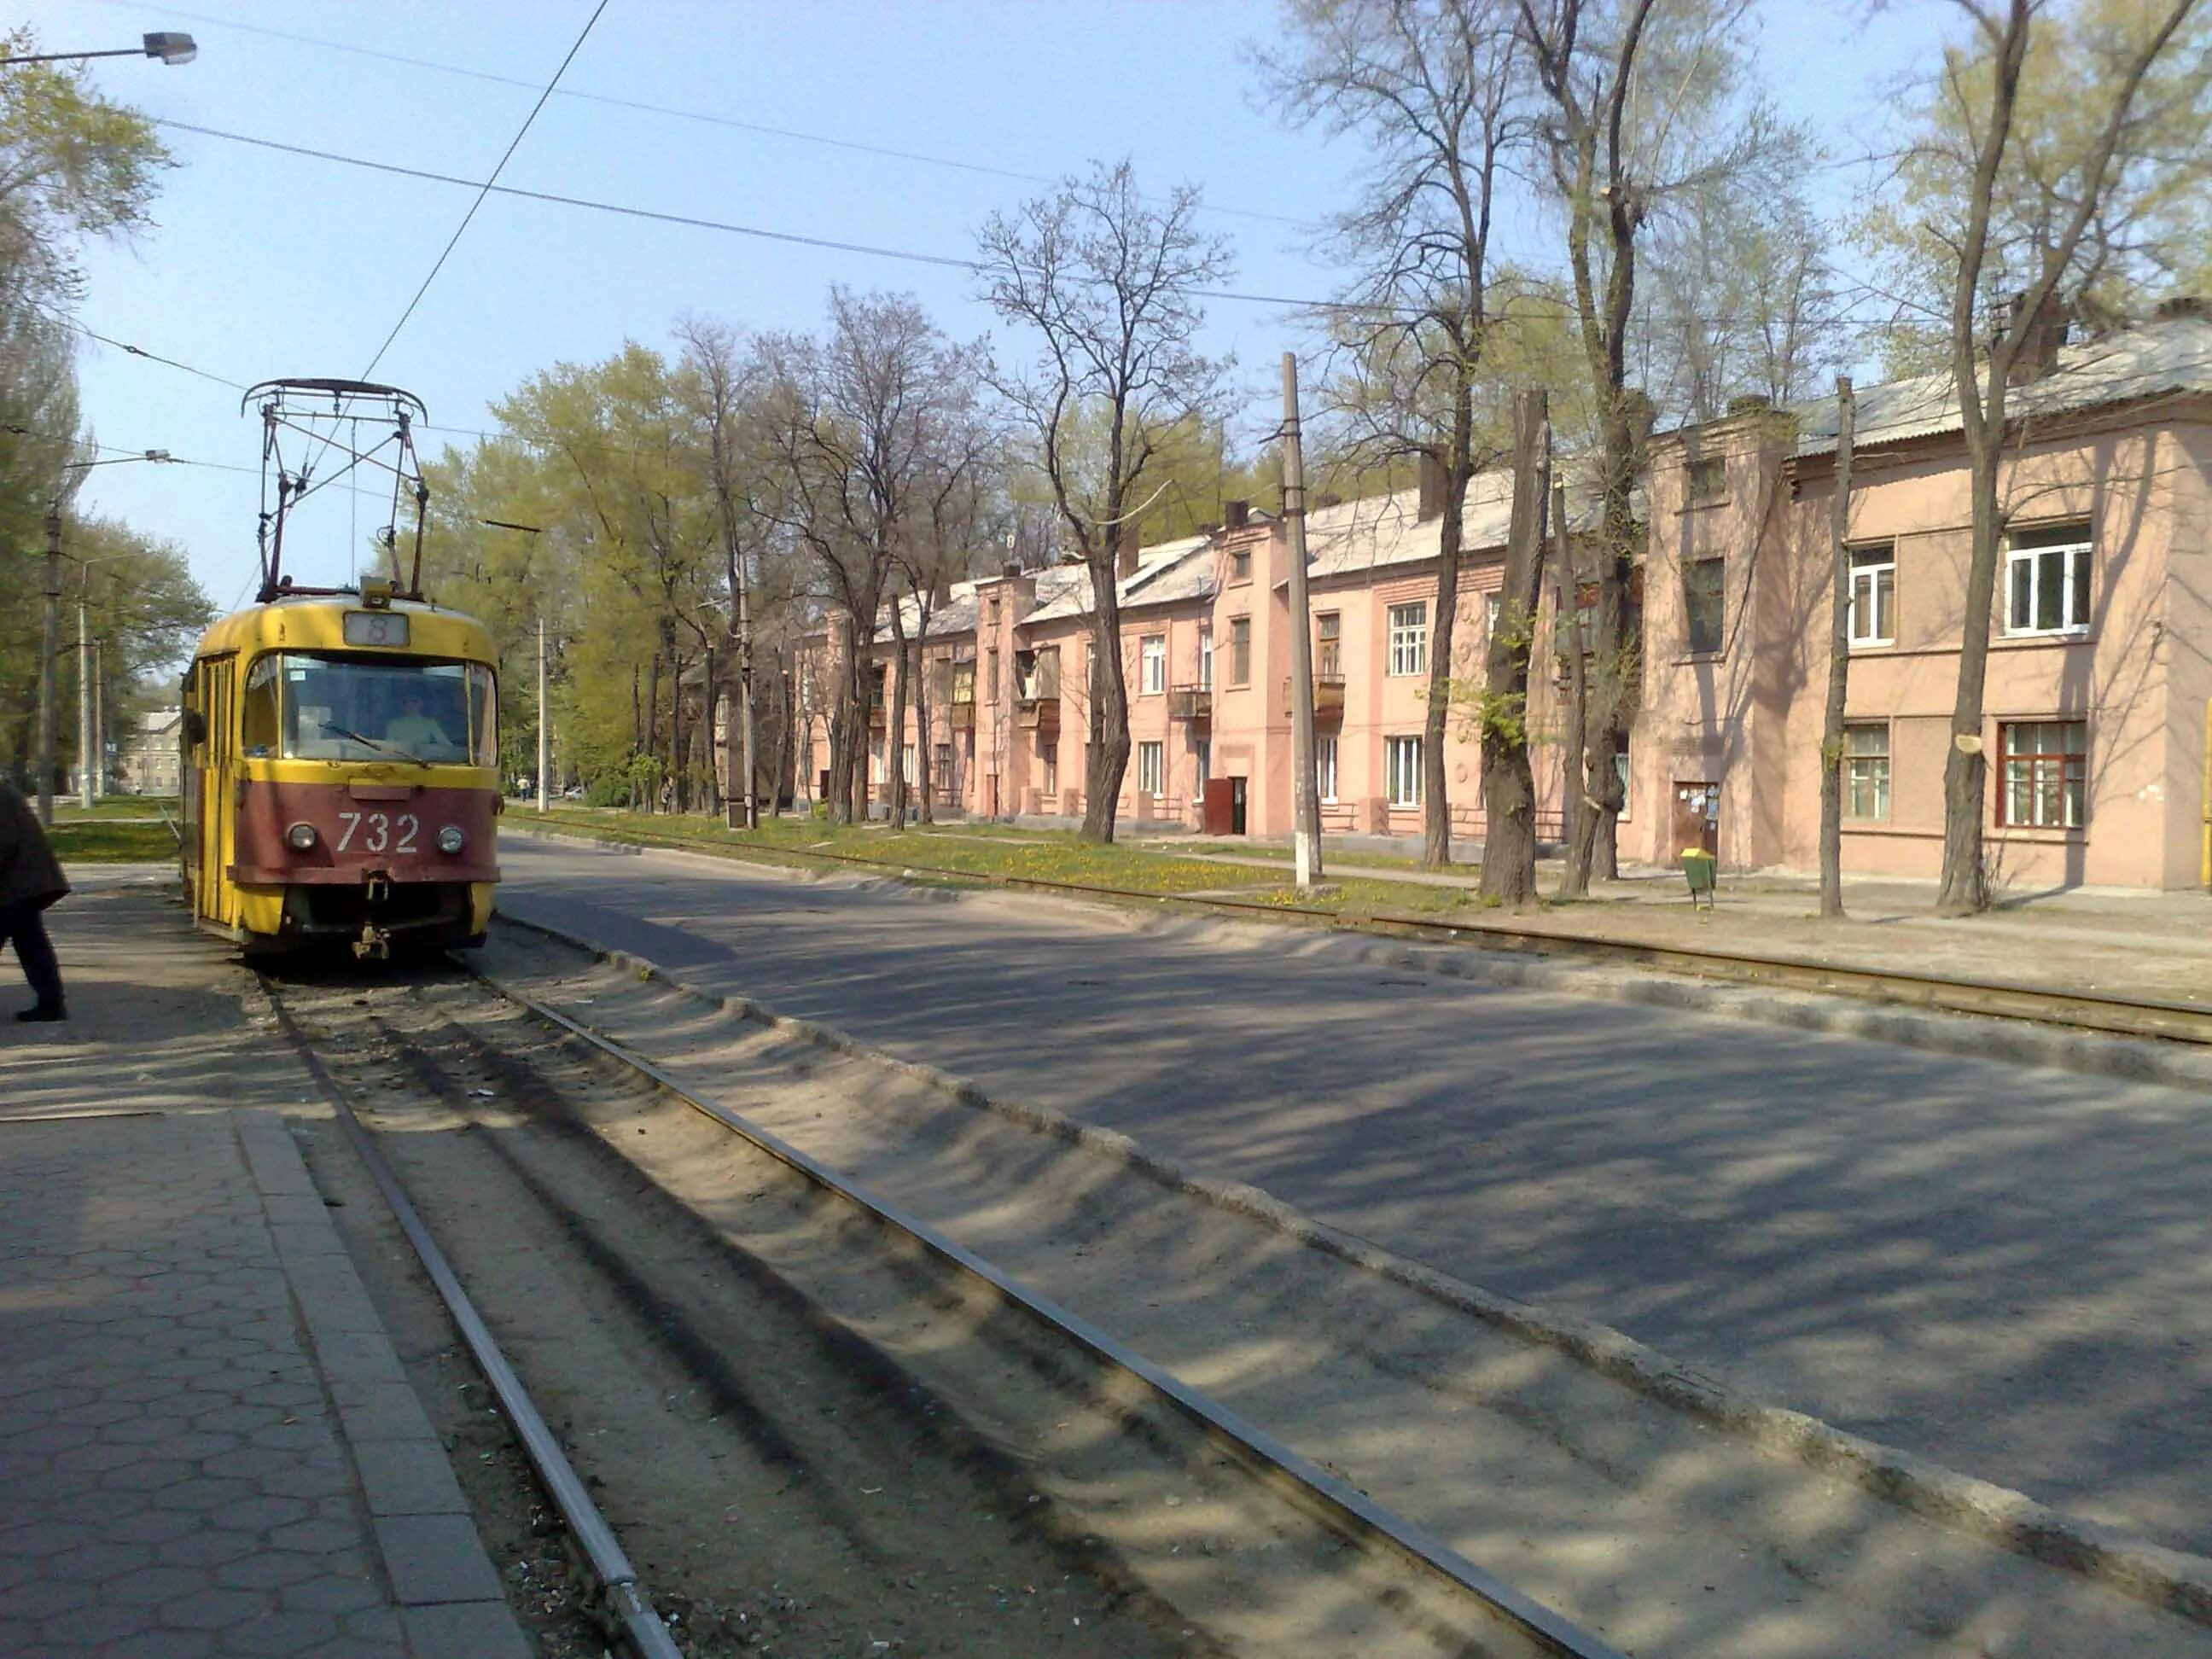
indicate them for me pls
(2100, 679)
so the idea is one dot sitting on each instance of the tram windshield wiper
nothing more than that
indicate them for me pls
(348, 732)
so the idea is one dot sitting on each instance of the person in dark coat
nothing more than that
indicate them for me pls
(30, 880)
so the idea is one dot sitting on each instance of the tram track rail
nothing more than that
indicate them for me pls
(2139, 1017)
(622, 1600)
(1337, 1506)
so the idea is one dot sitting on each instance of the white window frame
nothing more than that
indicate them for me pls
(907, 761)
(2075, 566)
(1401, 758)
(1873, 590)
(1865, 767)
(1409, 639)
(1049, 765)
(1152, 769)
(1325, 769)
(1201, 750)
(1152, 664)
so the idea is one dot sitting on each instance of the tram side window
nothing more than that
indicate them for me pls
(257, 713)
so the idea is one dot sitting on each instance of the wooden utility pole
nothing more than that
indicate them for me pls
(749, 795)
(1306, 796)
(1839, 662)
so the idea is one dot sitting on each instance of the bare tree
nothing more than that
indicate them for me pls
(2048, 214)
(1108, 285)
(1434, 89)
(1639, 111)
(853, 420)
(719, 381)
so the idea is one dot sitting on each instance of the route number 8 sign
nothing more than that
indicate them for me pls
(375, 628)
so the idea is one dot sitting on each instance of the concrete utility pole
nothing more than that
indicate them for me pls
(1306, 795)
(83, 703)
(544, 725)
(749, 795)
(53, 646)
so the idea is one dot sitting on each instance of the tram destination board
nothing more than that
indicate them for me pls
(376, 627)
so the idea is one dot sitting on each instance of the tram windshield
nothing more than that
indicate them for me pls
(300, 706)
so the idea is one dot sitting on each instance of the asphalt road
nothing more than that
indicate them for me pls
(2004, 1269)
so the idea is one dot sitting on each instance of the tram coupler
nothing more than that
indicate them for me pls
(375, 944)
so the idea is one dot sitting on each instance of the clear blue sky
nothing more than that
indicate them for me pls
(263, 264)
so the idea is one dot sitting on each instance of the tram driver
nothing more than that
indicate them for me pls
(416, 732)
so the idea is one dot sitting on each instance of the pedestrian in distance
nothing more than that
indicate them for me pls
(30, 880)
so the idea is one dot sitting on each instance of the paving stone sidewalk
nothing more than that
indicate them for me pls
(206, 1444)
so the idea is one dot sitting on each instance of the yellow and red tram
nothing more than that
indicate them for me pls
(341, 774)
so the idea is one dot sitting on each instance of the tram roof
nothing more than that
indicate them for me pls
(316, 622)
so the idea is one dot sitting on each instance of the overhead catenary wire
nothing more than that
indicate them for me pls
(853, 146)
(909, 256)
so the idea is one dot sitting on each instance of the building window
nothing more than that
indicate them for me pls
(1704, 589)
(2043, 763)
(1621, 770)
(1153, 658)
(1049, 765)
(1402, 757)
(991, 677)
(1866, 772)
(1206, 657)
(1240, 651)
(945, 767)
(1240, 565)
(1203, 749)
(1152, 769)
(1325, 767)
(963, 681)
(1409, 638)
(2047, 581)
(1493, 609)
(907, 773)
(1707, 478)
(1874, 595)
(1328, 659)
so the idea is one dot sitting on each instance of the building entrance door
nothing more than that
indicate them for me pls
(1697, 818)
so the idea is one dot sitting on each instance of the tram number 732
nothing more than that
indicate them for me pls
(376, 830)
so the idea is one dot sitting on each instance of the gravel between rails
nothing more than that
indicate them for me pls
(810, 1443)
(1633, 1519)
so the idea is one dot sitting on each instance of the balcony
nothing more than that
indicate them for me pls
(1039, 714)
(963, 716)
(1328, 696)
(878, 716)
(1190, 703)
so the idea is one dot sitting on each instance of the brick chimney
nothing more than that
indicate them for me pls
(1431, 487)
(1237, 515)
(1126, 545)
(2040, 338)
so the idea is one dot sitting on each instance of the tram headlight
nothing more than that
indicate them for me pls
(451, 840)
(300, 837)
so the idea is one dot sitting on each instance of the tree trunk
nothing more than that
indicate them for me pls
(895, 731)
(1840, 664)
(653, 727)
(1567, 629)
(1966, 886)
(1508, 786)
(1435, 795)
(711, 774)
(1106, 760)
(1611, 696)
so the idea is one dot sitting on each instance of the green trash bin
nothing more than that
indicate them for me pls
(1700, 869)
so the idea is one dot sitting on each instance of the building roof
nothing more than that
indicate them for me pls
(2153, 359)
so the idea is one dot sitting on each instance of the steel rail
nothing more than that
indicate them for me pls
(624, 1598)
(2116, 1016)
(1346, 1507)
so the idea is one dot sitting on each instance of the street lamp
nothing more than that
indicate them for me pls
(167, 46)
(53, 628)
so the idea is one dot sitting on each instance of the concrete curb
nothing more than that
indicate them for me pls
(1985, 1036)
(2174, 1580)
